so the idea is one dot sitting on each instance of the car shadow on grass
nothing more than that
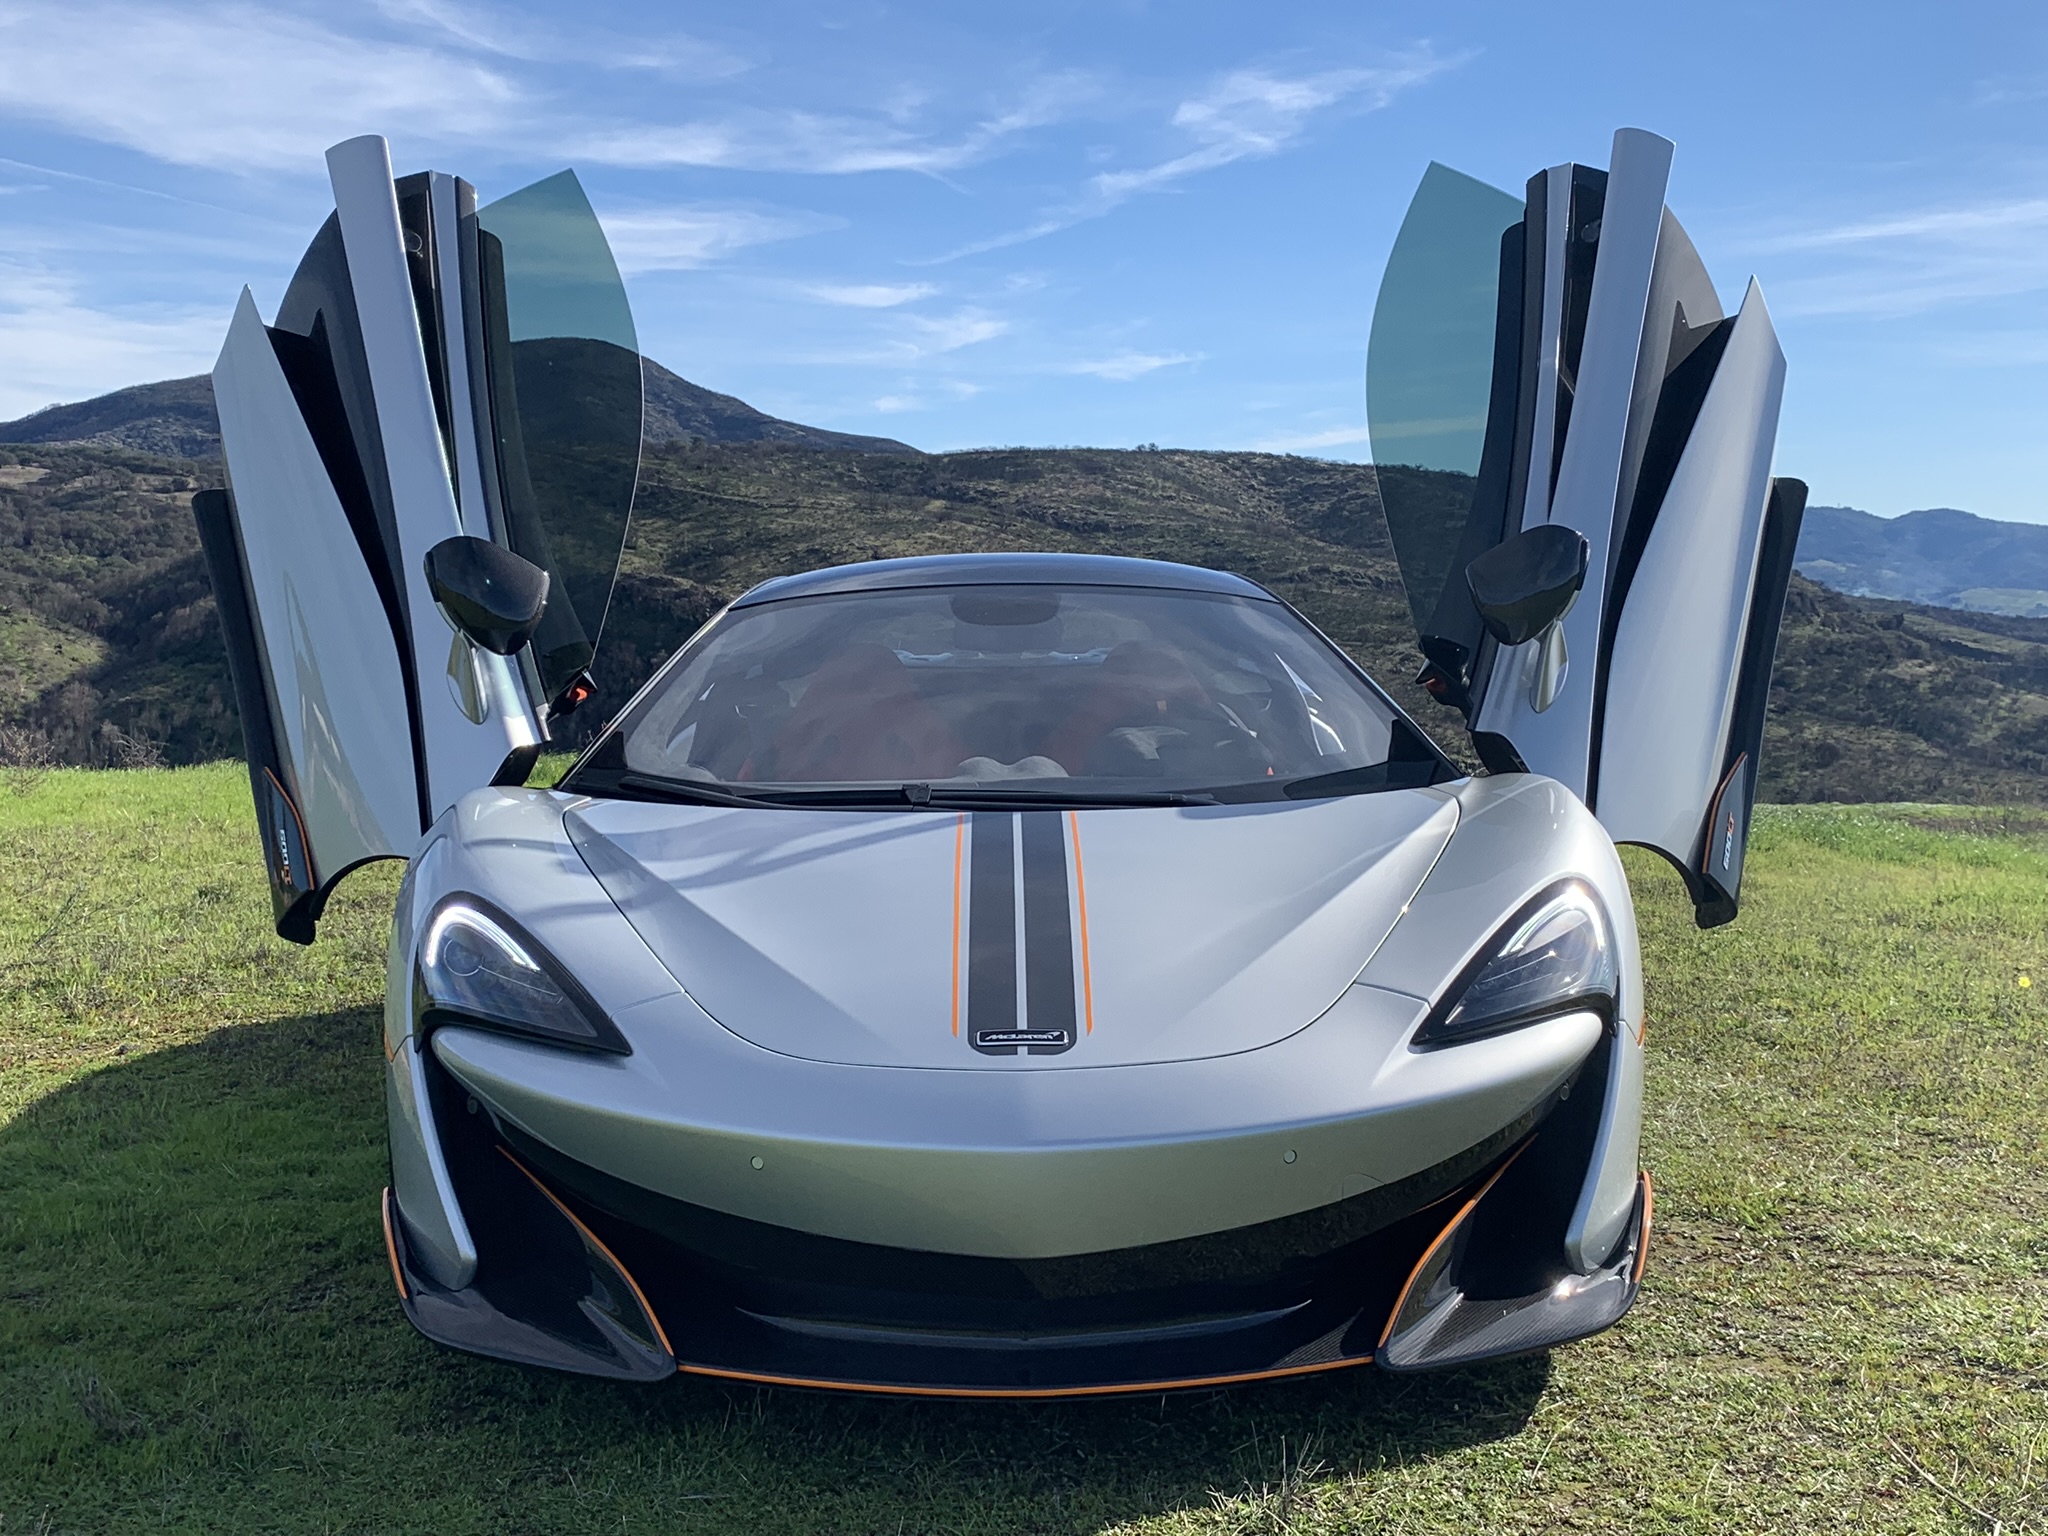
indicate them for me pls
(196, 1281)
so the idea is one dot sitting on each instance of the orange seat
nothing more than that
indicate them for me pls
(860, 718)
(1141, 683)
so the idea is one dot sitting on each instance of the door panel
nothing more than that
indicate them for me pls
(1621, 404)
(337, 697)
(1679, 638)
(1718, 889)
(364, 430)
(450, 201)
(458, 752)
(1558, 740)
(1537, 446)
(1681, 313)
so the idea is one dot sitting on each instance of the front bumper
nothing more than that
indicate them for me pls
(578, 1269)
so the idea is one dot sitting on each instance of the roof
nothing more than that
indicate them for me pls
(1004, 570)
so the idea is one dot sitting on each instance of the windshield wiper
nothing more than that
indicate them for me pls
(946, 796)
(688, 791)
(992, 798)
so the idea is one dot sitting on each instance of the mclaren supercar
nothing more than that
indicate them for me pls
(1006, 974)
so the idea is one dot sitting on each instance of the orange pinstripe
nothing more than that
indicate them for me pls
(1081, 900)
(1110, 1390)
(391, 1249)
(598, 1243)
(1643, 1242)
(1443, 1237)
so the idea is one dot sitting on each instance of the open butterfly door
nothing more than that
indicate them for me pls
(1562, 358)
(434, 370)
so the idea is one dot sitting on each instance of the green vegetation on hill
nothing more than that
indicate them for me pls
(1842, 1326)
(108, 637)
(174, 418)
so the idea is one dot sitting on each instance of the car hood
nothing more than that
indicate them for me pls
(1016, 940)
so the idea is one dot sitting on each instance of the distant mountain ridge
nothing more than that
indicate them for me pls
(175, 419)
(110, 650)
(1940, 557)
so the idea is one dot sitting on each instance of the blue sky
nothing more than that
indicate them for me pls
(1060, 223)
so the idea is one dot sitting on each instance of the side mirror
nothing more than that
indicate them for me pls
(487, 592)
(1526, 583)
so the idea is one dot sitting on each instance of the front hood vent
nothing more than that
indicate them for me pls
(1016, 940)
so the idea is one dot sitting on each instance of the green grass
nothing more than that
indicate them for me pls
(1845, 1307)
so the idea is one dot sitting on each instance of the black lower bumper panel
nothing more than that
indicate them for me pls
(582, 1272)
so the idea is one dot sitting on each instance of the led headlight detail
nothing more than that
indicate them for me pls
(478, 967)
(1554, 956)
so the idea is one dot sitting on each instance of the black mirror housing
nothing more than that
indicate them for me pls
(1528, 581)
(488, 593)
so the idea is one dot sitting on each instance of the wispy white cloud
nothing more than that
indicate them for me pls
(869, 295)
(919, 398)
(59, 348)
(1252, 113)
(1246, 114)
(683, 237)
(1123, 367)
(949, 333)
(236, 86)
(504, 33)
(2007, 90)
(1910, 262)
(919, 342)
(1302, 442)
(1936, 223)
(1995, 349)
(828, 143)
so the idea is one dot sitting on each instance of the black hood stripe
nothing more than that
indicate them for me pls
(1048, 931)
(994, 1026)
(991, 926)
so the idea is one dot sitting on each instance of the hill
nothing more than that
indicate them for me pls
(109, 649)
(678, 411)
(1940, 556)
(175, 419)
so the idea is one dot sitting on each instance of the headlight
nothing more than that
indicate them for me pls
(1554, 956)
(478, 967)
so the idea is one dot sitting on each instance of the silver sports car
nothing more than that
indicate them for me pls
(1009, 975)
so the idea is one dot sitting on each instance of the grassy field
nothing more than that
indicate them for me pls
(1844, 1326)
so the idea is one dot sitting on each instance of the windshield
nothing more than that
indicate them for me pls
(1065, 693)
